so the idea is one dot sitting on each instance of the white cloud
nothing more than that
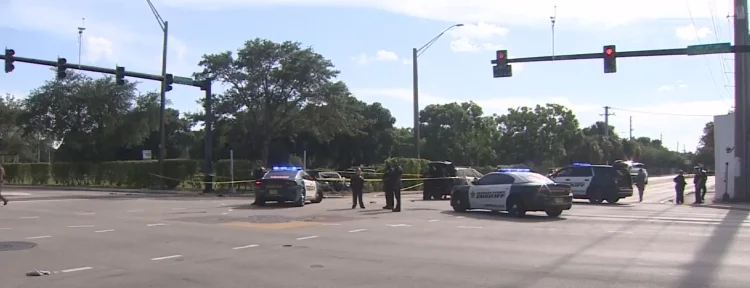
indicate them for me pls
(537, 13)
(690, 32)
(671, 87)
(477, 37)
(98, 49)
(380, 55)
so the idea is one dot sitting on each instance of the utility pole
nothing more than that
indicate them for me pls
(552, 20)
(741, 139)
(661, 138)
(80, 39)
(606, 120)
(164, 25)
(631, 128)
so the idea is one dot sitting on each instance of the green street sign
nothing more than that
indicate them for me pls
(183, 80)
(716, 48)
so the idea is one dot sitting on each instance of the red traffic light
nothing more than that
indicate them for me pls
(10, 52)
(500, 54)
(609, 52)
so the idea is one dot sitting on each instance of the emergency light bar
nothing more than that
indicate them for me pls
(513, 170)
(286, 168)
(581, 164)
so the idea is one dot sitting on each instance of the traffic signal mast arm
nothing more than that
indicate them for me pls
(718, 48)
(97, 69)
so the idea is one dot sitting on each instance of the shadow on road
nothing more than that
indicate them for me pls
(502, 216)
(268, 206)
(620, 205)
(701, 272)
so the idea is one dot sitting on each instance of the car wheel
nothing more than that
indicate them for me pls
(460, 205)
(318, 197)
(261, 202)
(301, 201)
(594, 197)
(612, 199)
(553, 212)
(516, 208)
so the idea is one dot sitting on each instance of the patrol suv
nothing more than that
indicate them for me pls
(283, 184)
(514, 190)
(596, 183)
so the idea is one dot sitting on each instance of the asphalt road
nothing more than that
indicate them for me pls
(111, 241)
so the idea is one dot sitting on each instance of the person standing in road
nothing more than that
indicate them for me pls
(2, 180)
(704, 180)
(387, 188)
(697, 179)
(640, 183)
(396, 186)
(357, 183)
(679, 188)
(258, 174)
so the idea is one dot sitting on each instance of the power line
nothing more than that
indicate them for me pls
(659, 113)
(708, 63)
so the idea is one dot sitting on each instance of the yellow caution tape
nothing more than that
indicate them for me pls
(321, 179)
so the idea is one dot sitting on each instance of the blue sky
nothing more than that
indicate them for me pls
(370, 41)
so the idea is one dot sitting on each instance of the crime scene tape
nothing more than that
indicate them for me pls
(319, 179)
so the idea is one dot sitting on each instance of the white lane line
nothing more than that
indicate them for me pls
(86, 213)
(38, 237)
(700, 235)
(357, 230)
(308, 237)
(30, 217)
(133, 211)
(166, 257)
(433, 220)
(76, 269)
(5, 228)
(103, 231)
(156, 224)
(81, 226)
(470, 227)
(399, 225)
(623, 232)
(332, 224)
(459, 217)
(230, 210)
(545, 229)
(244, 247)
(224, 213)
(179, 208)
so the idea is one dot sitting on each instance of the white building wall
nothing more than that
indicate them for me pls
(726, 163)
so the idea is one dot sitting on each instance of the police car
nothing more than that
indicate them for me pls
(514, 190)
(596, 183)
(292, 184)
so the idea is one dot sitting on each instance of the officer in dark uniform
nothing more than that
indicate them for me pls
(395, 178)
(679, 188)
(698, 182)
(258, 174)
(704, 180)
(387, 187)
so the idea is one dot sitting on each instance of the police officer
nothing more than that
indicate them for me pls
(698, 182)
(357, 183)
(258, 174)
(395, 179)
(704, 179)
(387, 187)
(679, 188)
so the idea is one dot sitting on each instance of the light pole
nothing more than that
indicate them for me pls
(162, 105)
(414, 55)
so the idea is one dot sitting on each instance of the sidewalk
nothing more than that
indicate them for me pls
(717, 204)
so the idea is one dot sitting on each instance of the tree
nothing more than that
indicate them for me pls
(705, 152)
(272, 84)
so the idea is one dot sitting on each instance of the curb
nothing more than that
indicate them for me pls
(725, 207)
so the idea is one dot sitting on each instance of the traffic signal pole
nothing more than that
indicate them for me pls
(167, 80)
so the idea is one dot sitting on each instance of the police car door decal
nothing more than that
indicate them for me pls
(309, 188)
(488, 196)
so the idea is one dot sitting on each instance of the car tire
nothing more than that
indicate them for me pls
(516, 208)
(553, 212)
(460, 205)
(301, 201)
(318, 197)
(261, 202)
(612, 199)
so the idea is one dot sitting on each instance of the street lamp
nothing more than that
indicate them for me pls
(162, 147)
(414, 55)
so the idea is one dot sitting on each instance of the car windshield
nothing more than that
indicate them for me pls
(280, 175)
(534, 178)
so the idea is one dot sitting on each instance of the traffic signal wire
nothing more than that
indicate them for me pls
(660, 113)
(708, 65)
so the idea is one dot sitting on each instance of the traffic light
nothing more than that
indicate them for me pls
(168, 80)
(9, 55)
(501, 69)
(610, 59)
(61, 66)
(120, 75)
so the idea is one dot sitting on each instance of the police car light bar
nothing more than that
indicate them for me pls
(513, 170)
(286, 168)
(581, 164)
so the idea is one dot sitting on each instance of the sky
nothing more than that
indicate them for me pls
(370, 41)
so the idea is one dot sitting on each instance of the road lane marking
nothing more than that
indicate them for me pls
(545, 229)
(433, 220)
(224, 213)
(332, 224)
(700, 235)
(5, 228)
(76, 269)
(623, 232)
(308, 237)
(230, 210)
(38, 237)
(460, 217)
(29, 217)
(166, 257)
(179, 208)
(86, 213)
(156, 224)
(102, 231)
(470, 227)
(357, 230)
(244, 247)
(81, 226)
(399, 225)
(133, 211)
